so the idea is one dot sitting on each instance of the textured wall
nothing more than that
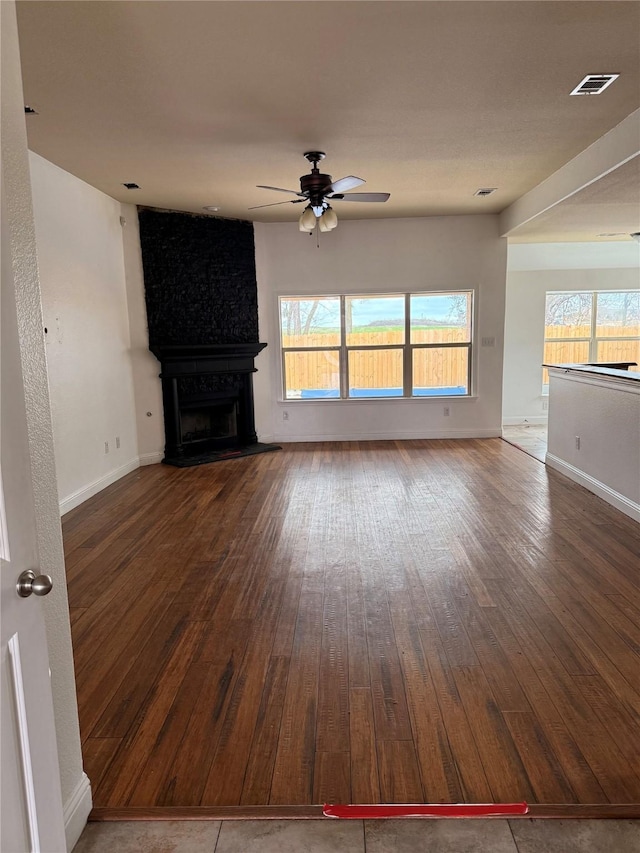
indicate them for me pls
(383, 256)
(199, 278)
(147, 389)
(84, 302)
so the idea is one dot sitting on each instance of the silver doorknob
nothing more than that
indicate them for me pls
(29, 583)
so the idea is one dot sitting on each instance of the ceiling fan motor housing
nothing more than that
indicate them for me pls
(315, 186)
(319, 188)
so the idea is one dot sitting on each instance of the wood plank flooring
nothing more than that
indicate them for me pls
(416, 621)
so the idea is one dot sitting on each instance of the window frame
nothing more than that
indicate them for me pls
(343, 349)
(594, 339)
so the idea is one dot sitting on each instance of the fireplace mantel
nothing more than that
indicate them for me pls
(182, 365)
(203, 359)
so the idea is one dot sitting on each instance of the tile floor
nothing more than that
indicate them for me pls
(355, 836)
(532, 438)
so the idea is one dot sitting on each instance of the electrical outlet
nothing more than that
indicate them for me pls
(446, 411)
(545, 405)
(117, 442)
(577, 442)
(285, 416)
(106, 447)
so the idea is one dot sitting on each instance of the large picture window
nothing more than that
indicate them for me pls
(373, 345)
(591, 327)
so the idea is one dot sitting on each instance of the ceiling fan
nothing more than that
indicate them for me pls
(318, 190)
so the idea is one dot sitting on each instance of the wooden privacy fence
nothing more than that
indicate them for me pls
(432, 368)
(380, 368)
(585, 331)
(577, 352)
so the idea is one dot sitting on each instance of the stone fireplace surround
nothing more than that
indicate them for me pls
(216, 382)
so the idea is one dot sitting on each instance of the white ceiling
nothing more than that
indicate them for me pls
(608, 209)
(198, 102)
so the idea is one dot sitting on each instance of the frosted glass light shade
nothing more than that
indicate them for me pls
(307, 221)
(329, 219)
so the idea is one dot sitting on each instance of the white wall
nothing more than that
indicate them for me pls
(145, 366)
(81, 260)
(576, 266)
(382, 256)
(605, 415)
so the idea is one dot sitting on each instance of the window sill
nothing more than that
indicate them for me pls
(351, 401)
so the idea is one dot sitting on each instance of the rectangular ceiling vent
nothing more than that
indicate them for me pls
(594, 84)
(485, 191)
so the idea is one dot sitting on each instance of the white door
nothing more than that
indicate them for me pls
(31, 805)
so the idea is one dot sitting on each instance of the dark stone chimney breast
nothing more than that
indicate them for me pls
(199, 279)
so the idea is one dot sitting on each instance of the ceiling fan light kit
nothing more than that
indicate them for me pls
(317, 189)
(324, 217)
(307, 221)
(329, 219)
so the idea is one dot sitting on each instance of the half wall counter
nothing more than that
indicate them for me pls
(594, 431)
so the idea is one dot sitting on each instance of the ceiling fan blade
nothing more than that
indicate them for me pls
(361, 197)
(278, 189)
(344, 184)
(274, 203)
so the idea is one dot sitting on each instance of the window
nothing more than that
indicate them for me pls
(598, 326)
(388, 345)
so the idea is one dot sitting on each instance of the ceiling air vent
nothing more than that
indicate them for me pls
(483, 191)
(594, 84)
(131, 186)
(30, 110)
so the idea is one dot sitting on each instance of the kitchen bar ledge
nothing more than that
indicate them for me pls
(619, 369)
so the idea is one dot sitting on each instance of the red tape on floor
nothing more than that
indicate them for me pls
(439, 810)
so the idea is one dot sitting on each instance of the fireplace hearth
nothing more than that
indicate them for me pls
(207, 393)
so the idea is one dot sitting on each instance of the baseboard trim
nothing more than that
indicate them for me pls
(151, 458)
(538, 419)
(395, 435)
(86, 492)
(624, 504)
(77, 811)
(83, 494)
(574, 811)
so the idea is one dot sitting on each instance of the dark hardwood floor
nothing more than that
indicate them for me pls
(416, 621)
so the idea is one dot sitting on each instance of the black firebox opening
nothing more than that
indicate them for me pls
(214, 426)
